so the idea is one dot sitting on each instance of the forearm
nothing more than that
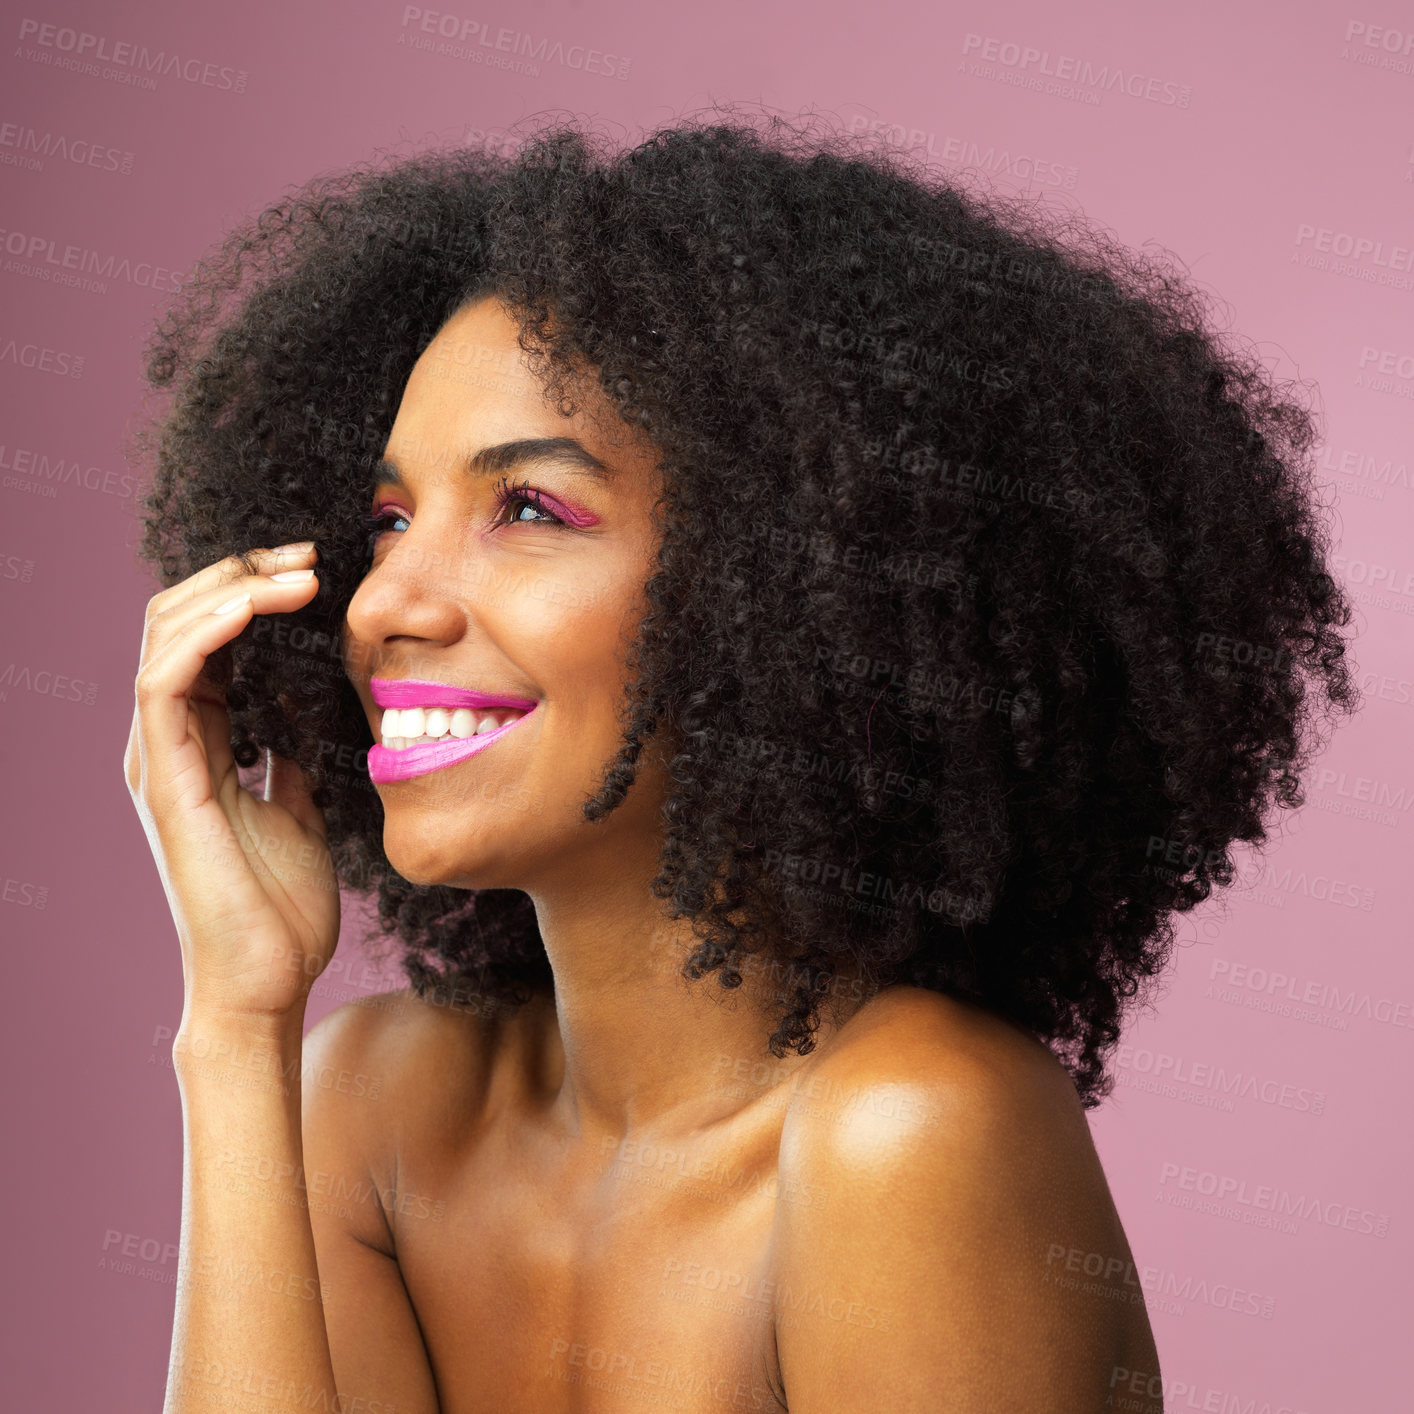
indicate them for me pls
(249, 1330)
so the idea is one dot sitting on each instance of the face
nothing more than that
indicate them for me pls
(488, 640)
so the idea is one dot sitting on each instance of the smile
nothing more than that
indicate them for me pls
(427, 726)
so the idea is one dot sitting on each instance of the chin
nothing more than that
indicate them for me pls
(452, 864)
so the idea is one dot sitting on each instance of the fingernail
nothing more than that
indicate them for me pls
(231, 604)
(298, 546)
(292, 576)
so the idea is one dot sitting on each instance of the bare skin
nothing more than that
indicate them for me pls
(613, 1197)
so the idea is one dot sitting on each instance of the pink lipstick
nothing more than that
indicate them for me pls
(413, 692)
(386, 764)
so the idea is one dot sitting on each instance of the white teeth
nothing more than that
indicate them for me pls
(412, 726)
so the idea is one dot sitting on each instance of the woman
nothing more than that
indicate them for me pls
(738, 557)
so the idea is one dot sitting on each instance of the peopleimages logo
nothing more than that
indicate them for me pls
(46, 683)
(963, 152)
(1354, 244)
(1269, 1199)
(1217, 1080)
(22, 146)
(42, 257)
(461, 38)
(1378, 46)
(42, 358)
(1159, 1288)
(1038, 64)
(1265, 985)
(1379, 472)
(126, 60)
(63, 471)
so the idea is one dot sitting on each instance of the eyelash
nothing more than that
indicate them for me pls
(505, 495)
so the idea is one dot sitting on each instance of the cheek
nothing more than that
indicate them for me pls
(576, 630)
(356, 655)
(574, 643)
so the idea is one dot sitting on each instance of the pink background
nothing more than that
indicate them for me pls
(1269, 147)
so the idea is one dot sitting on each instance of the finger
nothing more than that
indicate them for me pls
(210, 724)
(132, 759)
(287, 785)
(182, 645)
(230, 571)
(272, 593)
(232, 568)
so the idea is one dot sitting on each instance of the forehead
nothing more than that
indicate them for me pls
(472, 388)
(474, 358)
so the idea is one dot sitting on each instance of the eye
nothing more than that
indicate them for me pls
(514, 499)
(513, 502)
(381, 520)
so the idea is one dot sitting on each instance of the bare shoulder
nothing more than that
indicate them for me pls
(950, 1172)
(918, 1089)
(395, 1039)
(388, 1072)
(920, 1059)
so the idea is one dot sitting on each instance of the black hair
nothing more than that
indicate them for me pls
(992, 605)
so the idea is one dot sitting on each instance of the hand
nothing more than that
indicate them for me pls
(249, 880)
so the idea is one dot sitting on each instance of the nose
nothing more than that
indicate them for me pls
(410, 594)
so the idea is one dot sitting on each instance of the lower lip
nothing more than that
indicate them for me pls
(386, 765)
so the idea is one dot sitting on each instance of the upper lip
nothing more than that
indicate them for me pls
(414, 692)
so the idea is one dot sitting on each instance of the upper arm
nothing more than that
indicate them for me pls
(375, 1342)
(930, 1269)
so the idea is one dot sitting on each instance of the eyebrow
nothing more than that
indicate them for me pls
(563, 452)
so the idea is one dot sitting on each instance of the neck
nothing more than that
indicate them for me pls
(632, 1046)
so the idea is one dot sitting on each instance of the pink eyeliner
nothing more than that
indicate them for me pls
(572, 515)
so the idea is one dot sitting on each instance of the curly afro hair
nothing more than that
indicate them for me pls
(1004, 634)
